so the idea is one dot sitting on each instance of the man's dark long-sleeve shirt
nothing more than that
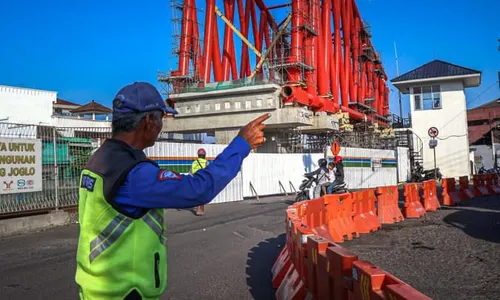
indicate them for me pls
(148, 186)
(339, 174)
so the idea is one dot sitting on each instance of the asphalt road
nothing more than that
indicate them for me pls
(453, 253)
(227, 254)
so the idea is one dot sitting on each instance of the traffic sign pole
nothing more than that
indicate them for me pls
(433, 132)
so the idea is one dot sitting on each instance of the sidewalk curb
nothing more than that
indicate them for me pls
(16, 226)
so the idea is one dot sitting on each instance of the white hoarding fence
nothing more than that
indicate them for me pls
(40, 166)
(20, 165)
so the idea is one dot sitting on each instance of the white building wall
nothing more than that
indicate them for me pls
(26, 106)
(452, 152)
(75, 122)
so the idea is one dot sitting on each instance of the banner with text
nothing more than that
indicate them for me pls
(20, 165)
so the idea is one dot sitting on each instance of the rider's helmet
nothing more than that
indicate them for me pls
(322, 163)
(201, 152)
(337, 159)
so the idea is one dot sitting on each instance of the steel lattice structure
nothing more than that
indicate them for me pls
(320, 52)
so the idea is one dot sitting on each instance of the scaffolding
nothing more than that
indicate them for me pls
(292, 60)
(185, 58)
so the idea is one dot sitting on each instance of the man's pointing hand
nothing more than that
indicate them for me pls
(253, 132)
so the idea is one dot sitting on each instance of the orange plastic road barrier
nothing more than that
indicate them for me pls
(365, 218)
(371, 282)
(339, 267)
(318, 284)
(465, 193)
(281, 267)
(292, 287)
(431, 201)
(492, 184)
(300, 249)
(450, 195)
(388, 210)
(413, 207)
(339, 211)
(479, 185)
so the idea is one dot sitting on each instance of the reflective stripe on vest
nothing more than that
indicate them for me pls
(117, 227)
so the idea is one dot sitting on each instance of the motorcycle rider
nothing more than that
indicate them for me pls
(321, 176)
(339, 174)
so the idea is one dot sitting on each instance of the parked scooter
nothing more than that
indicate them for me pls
(306, 189)
(422, 175)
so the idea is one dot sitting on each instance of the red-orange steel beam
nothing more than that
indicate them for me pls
(209, 27)
(228, 50)
(335, 76)
(324, 52)
(186, 33)
(195, 43)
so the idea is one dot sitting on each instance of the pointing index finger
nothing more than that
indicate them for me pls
(261, 119)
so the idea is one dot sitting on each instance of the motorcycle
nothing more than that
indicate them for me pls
(308, 185)
(422, 175)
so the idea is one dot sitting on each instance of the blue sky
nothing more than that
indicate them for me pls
(88, 50)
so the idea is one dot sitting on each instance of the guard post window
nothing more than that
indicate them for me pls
(427, 97)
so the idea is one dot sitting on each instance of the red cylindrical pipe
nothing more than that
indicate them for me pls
(228, 40)
(324, 49)
(198, 61)
(381, 91)
(208, 38)
(295, 93)
(363, 85)
(186, 33)
(311, 46)
(386, 101)
(296, 43)
(343, 76)
(355, 58)
(255, 26)
(376, 94)
(216, 53)
(346, 26)
(335, 77)
(244, 30)
(270, 19)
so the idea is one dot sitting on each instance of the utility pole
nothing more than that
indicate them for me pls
(399, 92)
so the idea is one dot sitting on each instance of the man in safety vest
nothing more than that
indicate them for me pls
(122, 244)
(198, 164)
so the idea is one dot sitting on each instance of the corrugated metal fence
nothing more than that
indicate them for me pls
(48, 176)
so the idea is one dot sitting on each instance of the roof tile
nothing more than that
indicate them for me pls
(435, 68)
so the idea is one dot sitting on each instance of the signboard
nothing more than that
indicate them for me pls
(376, 162)
(433, 132)
(335, 148)
(433, 143)
(20, 165)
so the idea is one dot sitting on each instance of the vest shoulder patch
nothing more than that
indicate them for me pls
(168, 175)
(88, 182)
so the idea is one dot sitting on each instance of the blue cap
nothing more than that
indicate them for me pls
(139, 97)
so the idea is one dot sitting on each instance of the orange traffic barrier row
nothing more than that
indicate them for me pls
(413, 207)
(312, 266)
(334, 272)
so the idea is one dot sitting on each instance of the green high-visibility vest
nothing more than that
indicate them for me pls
(117, 254)
(198, 164)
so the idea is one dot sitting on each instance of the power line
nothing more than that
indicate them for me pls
(480, 94)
